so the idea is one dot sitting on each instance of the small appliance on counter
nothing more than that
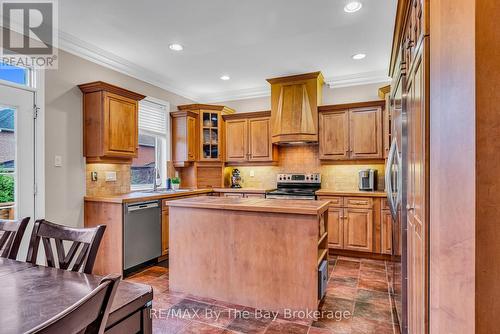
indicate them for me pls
(236, 179)
(368, 179)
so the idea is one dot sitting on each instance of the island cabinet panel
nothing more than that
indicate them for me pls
(334, 135)
(365, 129)
(335, 228)
(358, 224)
(258, 257)
(237, 140)
(110, 123)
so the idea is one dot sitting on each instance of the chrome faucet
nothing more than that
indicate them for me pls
(155, 180)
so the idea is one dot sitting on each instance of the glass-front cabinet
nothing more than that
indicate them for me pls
(210, 135)
(210, 126)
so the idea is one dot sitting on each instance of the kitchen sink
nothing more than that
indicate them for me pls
(166, 191)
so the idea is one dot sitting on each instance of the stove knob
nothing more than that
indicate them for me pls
(307, 177)
(289, 177)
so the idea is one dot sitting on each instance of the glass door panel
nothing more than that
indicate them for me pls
(210, 135)
(17, 175)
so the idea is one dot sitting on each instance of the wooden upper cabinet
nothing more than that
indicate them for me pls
(210, 125)
(365, 133)
(259, 134)
(351, 131)
(384, 93)
(294, 107)
(211, 130)
(184, 125)
(334, 135)
(110, 123)
(237, 140)
(248, 138)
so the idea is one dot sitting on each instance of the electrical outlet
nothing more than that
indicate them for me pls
(110, 176)
(252, 173)
(57, 161)
(93, 176)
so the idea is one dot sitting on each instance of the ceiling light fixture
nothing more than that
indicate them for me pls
(358, 56)
(225, 77)
(352, 6)
(176, 47)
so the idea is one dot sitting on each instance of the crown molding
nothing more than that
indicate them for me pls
(332, 82)
(241, 94)
(364, 78)
(80, 48)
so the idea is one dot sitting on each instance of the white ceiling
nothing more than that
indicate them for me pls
(249, 40)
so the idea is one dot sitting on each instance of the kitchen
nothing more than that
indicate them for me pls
(280, 167)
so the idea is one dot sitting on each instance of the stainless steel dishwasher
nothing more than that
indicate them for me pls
(141, 233)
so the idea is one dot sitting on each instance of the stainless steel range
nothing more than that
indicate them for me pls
(296, 186)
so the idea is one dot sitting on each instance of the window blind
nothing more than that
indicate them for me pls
(153, 117)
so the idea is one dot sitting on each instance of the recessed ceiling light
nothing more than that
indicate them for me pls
(352, 6)
(358, 56)
(176, 47)
(225, 77)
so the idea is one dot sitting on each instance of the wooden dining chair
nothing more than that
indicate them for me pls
(88, 315)
(10, 239)
(85, 242)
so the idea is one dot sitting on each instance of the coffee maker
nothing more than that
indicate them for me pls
(235, 179)
(368, 179)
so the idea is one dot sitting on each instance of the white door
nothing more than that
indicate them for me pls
(17, 153)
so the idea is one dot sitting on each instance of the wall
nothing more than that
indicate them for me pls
(350, 94)
(63, 131)
(305, 159)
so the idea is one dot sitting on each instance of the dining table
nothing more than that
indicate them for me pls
(31, 294)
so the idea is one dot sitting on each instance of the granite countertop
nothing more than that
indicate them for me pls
(301, 207)
(249, 190)
(137, 196)
(354, 192)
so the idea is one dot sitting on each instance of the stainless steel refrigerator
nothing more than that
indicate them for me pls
(395, 183)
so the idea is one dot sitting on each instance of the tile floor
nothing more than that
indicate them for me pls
(357, 293)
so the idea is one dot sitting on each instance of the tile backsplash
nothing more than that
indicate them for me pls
(101, 187)
(305, 159)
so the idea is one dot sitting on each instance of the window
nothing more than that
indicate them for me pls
(153, 145)
(14, 74)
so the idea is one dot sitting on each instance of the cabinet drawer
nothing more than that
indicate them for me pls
(335, 201)
(234, 195)
(358, 202)
(255, 196)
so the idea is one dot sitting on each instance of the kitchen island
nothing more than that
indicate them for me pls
(261, 253)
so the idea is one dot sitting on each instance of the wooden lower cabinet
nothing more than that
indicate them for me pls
(358, 229)
(335, 228)
(164, 231)
(386, 232)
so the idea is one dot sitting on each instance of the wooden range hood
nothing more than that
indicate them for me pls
(294, 108)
